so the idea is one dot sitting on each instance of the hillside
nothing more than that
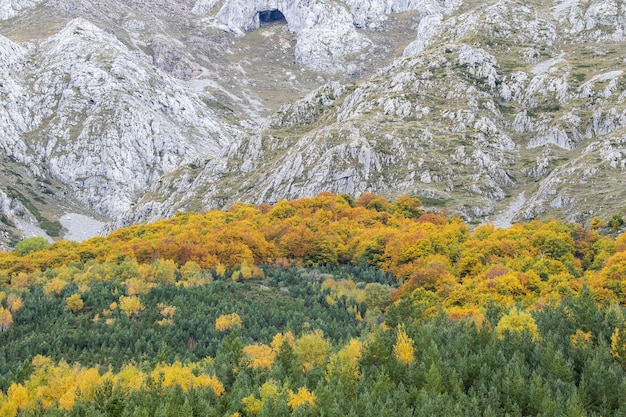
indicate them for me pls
(129, 113)
(320, 306)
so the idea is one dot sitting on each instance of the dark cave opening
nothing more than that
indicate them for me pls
(268, 17)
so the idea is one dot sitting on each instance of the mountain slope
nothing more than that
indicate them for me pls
(499, 112)
(505, 100)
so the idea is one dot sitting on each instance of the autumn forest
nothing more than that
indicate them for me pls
(325, 306)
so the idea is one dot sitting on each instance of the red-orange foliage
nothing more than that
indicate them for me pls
(529, 263)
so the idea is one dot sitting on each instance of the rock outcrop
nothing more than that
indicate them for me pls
(101, 119)
(11, 8)
(137, 111)
(14, 116)
(327, 31)
(484, 104)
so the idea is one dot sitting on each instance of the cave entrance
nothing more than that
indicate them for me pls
(269, 17)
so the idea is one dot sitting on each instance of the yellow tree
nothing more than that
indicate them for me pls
(406, 206)
(517, 321)
(87, 380)
(311, 349)
(16, 400)
(74, 303)
(345, 363)
(174, 375)
(131, 305)
(260, 356)
(403, 350)
(191, 272)
(52, 384)
(6, 319)
(163, 272)
(55, 285)
(130, 377)
(618, 346)
(301, 398)
(167, 312)
(185, 377)
(280, 338)
(14, 303)
(253, 405)
(137, 286)
(227, 322)
(246, 272)
(209, 381)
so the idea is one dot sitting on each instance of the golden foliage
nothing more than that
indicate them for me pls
(51, 384)
(17, 400)
(281, 338)
(131, 305)
(260, 356)
(269, 389)
(302, 397)
(517, 321)
(581, 339)
(20, 280)
(184, 376)
(55, 285)
(6, 319)
(311, 349)
(14, 303)
(163, 272)
(343, 289)
(136, 286)
(174, 375)
(403, 349)
(345, 363)
(130, 377)
(210, 381)
(74, 303)
(253, 405)
(59, 384)
(167, 312)
(227, 322)
(220, 269)
(533, 263)
(618, 346)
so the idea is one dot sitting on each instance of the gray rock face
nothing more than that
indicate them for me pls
(472, 113)
(15, 214)
(14, 116)
(138, 110)
(11, 8)
(326, 30)
(96, 120)
(203, 7)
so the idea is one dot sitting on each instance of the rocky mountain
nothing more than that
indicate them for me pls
(132, 111)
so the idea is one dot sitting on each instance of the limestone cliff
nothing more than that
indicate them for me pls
(135, 111)
(327, 30)
(94, 115)
(503, 101)
(11, 8)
